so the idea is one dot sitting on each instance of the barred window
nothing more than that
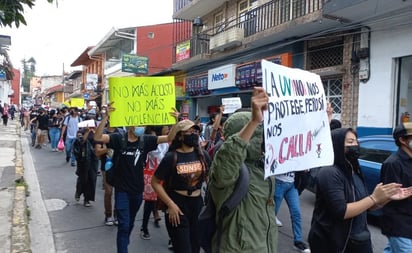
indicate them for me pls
(333, 92)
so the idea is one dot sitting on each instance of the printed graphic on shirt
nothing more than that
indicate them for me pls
(130, 154)
(191, 172)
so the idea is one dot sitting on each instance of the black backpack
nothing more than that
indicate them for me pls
(207, 216)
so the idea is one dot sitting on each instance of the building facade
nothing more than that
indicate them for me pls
(350, 44)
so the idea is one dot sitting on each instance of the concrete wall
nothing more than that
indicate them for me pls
(377, 97)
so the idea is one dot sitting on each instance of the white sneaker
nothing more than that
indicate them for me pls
(278, 222)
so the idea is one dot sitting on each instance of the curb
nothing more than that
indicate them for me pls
(20, 235)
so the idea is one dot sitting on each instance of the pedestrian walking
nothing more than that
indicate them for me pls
(130, 154)
(70, 128)
(183, 170)
(396, 219)
(339, 218)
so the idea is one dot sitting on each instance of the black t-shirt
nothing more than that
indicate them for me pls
(43, 121)
(32, 115)
(188, 172)
(129, 170)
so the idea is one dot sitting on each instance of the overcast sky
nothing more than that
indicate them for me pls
(58, 35)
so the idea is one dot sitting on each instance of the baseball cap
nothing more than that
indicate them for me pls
(402, 130)
(184, 125)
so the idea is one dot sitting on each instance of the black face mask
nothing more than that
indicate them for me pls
(191, 140)
(352, 152)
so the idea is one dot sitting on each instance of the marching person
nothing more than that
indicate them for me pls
(127, 171)
(339, 218)
(183, 170)
(396, 219)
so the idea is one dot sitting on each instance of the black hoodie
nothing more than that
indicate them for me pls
(329, 231)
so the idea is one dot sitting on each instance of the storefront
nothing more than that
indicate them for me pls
(207, 89)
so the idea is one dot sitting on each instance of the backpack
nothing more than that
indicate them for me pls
(207, 216)
(112, 174)
(84, 154)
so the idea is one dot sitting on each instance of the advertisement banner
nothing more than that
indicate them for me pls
(132, 63)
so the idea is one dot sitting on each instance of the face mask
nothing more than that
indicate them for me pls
(191, 140)
(352, 152)
(138, 131)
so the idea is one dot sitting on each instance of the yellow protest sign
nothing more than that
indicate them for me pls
(77, 102)
(142, 101)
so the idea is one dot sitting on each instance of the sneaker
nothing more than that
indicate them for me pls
(38, 146)
(73, 164)
(170, 245)
(67, 159)
(301, 247)
(87, 204)
(278, 222)
(145, 235)
(109, 221)
(116, 222)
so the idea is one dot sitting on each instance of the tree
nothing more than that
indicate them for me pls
(29, 69)
(5, 63)
(11, 11)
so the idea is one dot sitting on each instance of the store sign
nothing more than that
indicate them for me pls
(183, 51)
(132, 63)
(222, 77)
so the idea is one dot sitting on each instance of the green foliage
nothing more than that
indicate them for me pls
(11, 11)
(29, 69)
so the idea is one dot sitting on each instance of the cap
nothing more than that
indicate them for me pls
(403, 129)
(185, 125)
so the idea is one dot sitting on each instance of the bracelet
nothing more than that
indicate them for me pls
(373, 199)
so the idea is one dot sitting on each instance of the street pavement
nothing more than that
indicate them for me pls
(60, 224)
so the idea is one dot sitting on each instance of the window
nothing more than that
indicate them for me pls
(373, 155)
(219, 22)
(247, 19)
(150, 35)
(333, 92)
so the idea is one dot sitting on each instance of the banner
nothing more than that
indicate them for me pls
(132, 63)
(231, 104)
(296, 126)
(91, 81)
(142, 101)
(77, 102)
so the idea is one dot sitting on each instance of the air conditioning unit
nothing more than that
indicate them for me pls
(228, 39)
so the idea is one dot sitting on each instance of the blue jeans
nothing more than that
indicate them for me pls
(54, 136)
(290, 194)
(69, 148)
(126, 205)
(398, 245)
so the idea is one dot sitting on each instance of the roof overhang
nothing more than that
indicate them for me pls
(83, 59)
(113, 37)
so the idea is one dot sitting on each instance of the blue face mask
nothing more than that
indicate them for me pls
(138, 131)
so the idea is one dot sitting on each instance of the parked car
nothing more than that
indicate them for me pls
(374, 149)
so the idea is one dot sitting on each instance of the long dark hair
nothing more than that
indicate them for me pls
(177, 143)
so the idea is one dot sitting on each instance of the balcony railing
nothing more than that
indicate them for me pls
(262, 18)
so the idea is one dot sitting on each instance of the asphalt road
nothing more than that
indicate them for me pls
(60, 224)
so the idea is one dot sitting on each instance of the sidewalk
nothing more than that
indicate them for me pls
(14, 234)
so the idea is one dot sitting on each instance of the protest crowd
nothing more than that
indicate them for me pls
(183, 171)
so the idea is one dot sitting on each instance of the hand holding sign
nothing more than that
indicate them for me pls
(259, 104)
